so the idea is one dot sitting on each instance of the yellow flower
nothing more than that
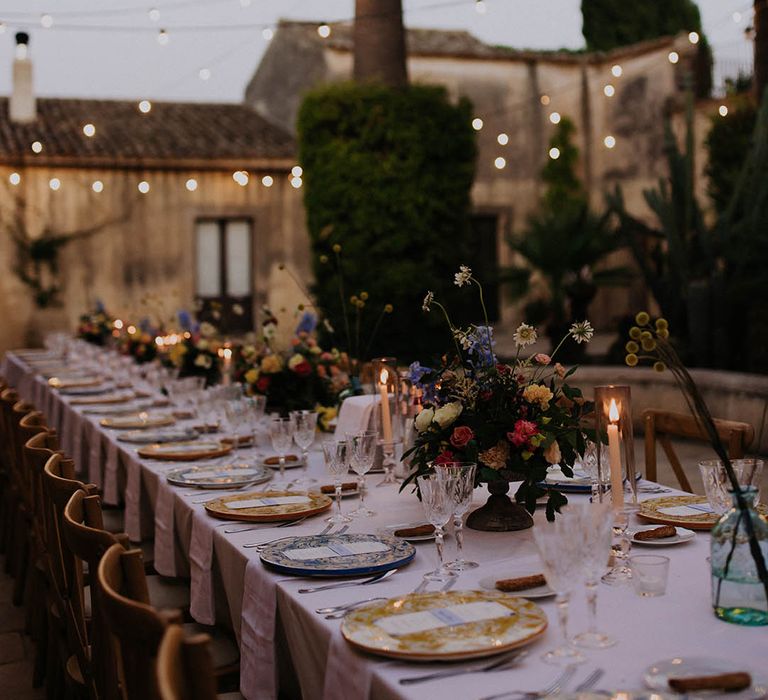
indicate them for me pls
(296, 360)
(388, 308)
(252, 375)
(662, 333)
(642, 318)
(323, 259)
(635, 333)
(632, 346)
(645, 335)
(364, 296)
(336, 248)
(552, 453)
(631, 359)
(177, 354)
(648, 344)
(538, 393)
(661, 324)
(659, 366)
(495, 457)
(271, 364)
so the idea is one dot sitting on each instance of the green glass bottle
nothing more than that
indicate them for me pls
(738, 595)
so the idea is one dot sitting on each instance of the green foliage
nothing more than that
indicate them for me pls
(387, 176)
(728, 143)
(565, 242)
(608, 24)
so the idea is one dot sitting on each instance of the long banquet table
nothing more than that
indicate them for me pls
(286, 646)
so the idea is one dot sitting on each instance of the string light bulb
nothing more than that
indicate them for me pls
(97, 186)
(54, 183)
(480, 7)
(673, 57)
(609, 90)
(609, 141)
(616, 70)
(736, 17)
(163, 38)
(191, 184)
(477, 123)
(37, 147)
(143, 187)
(297, 171)
(240, 177)
(154, 14)
(502, 139)
(145, 106)
(693, 37)
(46, 21)
(324, 30)
(89, 130)
(544, 99)
(14, 179)
(554, 153)
(267, 181)
(500, 163)
(722, 111)
(555, 117)
(296, 182)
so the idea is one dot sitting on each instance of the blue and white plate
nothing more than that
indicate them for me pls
(147, 437)
(226, 476)
(580, 483)
(337, 555)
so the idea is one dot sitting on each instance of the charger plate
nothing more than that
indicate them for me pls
(228, 476)
(136, 421)
(89, 390)
(265, 514)
(186, 451)
(345, 561)
(73, 382)
(521, 623)
(117, 397)
(148, 437)
(650, 510)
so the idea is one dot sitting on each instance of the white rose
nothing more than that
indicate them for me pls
(552, 453)
(424, 419)
(445, 415)
(202, 344)
(203, 361)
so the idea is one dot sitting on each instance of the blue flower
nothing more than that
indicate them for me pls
(416, 371)
(99, 306)
(145, 325)
(480, 347)
(307, 324)
(185, 319)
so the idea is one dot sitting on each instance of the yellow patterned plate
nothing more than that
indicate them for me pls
(137, 421)
(444, 626)
(298, 505)
(74, 382)
(682, 510)
(117, 397)
(186, 450)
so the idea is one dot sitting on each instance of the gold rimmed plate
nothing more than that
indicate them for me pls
(74, 382)
(444, 626)
(268, 506)
(103, 399)
(185, 451)
(136, 421)
(692, 512)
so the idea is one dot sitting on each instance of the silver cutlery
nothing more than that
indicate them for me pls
(287, 523)
(345, 606)
(548, 690)
(365, 582)
(346, 611)
(590, 680)
(220, 495)
(499, 663)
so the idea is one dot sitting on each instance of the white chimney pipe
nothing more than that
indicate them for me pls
(22, 107)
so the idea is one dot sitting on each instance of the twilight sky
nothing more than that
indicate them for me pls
(110, 48)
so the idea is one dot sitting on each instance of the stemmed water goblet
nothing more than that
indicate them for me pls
(437, 499)
(256, 405)
(336, 457)
(621, 573)
(237, 417)
(362, 450)
(463, 474)
(594, 528)
(561, 549)
(281, 436)
(305, 426)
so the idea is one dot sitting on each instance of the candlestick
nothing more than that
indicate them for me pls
(226, 367)
(614, 452)
(386, 418)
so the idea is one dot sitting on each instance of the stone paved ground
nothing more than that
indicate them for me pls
(16, 654)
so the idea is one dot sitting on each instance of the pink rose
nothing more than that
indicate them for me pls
(461, 436)
(560, 370)
(523, 432)
(445, 456)
(542, 358)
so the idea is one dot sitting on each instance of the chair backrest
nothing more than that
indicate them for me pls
(185, 667)
(661, 425)
(136, 626)
(84, 533)
(31, 424)
(8, 397)
(37, 451)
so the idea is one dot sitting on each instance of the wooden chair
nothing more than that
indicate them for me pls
(137, 627)
(662, 425)
(8, 399)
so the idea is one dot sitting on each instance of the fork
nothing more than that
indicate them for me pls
(548, 690)
(345, 606)
(499, 663)
(590, 680)
(287, 523)
(261, 545)
(345, 584)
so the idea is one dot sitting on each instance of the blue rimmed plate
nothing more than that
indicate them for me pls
(148, 437)
(337, 555)
(227, 476)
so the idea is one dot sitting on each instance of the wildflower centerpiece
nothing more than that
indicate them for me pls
(96, 326)
(514, 419)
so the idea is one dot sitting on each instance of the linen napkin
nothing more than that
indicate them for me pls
(258, 665)
(93, 438)
(356, 414)
(347, 675)
(111, 467)
(133, 500)
(202, 606)
(165, 531)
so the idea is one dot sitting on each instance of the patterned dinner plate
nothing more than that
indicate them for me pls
(186, 451)
(148, 437)
(117, 397)
(291, 462)
(227, 476)
(690, 511)
(74, 382)
(337, 555)
(268, 506)
(119, 410)
(94, 390)
(449, 626)
(137, 421)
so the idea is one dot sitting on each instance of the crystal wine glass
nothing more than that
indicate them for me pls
(305, 427)
(621, 573)
(463, 474)
(256, 405)
(594, 528)
(281, 436)
(362, 450)
(437, 499)
(337, 463)
(237, 416)
(561, 549)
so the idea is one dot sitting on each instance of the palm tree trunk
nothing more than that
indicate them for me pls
(761, 48)
(379, 37)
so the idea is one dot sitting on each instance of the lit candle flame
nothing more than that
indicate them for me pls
(613, 412)
(227, 354)
(383, 376)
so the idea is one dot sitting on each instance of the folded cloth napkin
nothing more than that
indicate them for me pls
(356, 414)
(347, 674)
(202, 605)
(258, 665)
(165, 531)
(133, 500)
